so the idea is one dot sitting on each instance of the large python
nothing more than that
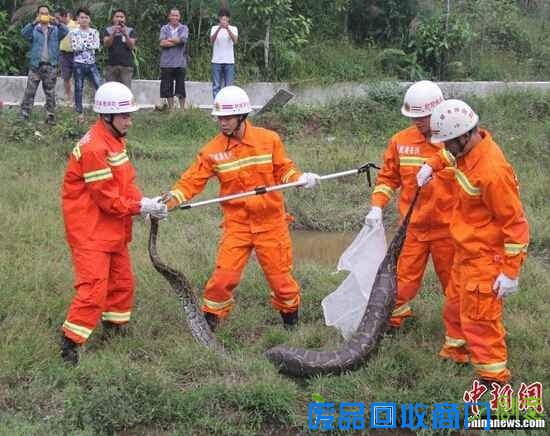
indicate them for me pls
(184, 290)
(305, 363)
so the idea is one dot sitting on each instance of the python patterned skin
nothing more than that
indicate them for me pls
(184, 290)
(300, 362)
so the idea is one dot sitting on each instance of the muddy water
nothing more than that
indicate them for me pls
(320, 247)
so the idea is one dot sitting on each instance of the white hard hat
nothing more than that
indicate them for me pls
(114, 98)
(421, 98)
(231, 100)
(451, 119)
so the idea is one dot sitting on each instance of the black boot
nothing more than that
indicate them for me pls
(111, 329)
(290, 320)
(212, 320)
(69, 351)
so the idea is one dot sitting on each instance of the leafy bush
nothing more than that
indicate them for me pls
(12, 47)
(397, 63)
(437, 39)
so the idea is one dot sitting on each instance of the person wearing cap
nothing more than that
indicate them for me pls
(490, 234)
(428, 232)
(243, 157)
(99, 198)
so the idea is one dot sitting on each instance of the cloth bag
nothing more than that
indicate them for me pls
(344, 308)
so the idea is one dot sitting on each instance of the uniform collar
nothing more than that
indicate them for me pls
(102, 130)
(247, 139)
(472, 157)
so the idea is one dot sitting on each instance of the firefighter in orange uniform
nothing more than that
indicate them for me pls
(244, 157)
(428, 233)
(99, 197)
(491, 234)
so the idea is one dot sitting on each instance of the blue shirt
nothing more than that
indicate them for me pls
(33, 33)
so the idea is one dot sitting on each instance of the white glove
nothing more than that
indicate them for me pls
(154, 207)
(309, 180)
(505, 285)
(374, 217)
(424, 175)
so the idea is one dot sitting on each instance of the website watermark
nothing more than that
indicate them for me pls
(503, 410)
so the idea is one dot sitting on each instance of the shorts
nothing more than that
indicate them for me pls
(167, 78)
(66, 61)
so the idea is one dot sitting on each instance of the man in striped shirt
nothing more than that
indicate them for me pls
(99, 198)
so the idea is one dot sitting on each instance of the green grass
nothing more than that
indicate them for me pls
(157, 380)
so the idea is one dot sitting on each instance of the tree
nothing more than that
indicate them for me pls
(273, 24)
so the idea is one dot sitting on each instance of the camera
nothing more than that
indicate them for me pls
(44, 18)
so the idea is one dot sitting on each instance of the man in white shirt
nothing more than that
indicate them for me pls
(223, 37)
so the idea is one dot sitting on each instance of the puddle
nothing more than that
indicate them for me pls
(320, 247)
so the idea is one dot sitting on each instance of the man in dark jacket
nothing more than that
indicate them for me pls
(44, 33)
(119, 40)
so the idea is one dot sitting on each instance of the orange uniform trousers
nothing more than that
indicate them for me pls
(411, 266)
(473, 318)
(104, 286)
(274, 252)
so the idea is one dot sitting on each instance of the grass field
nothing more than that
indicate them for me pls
(157, 380)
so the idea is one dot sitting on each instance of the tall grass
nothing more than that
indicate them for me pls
(156, 380)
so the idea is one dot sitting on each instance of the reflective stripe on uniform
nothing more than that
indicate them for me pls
(218, 305)
(179, 195)
(288, 175)
(412, 161)
(118, 159)
(76, 152)
(465, 184)
(453, 342)
(290, 302)
(490, 367)
(401, 310)
(383, 189)
(449, 158)
(514, 249)
(95, 176)
(244, 162)
(77, 330)
(116, 316)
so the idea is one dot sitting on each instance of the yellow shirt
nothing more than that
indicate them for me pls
(65, 44)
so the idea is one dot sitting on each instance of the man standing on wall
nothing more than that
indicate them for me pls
(66, 58)
(223, 37)
(44, 33)
(85, 41)
(173, 59)
(119, 41)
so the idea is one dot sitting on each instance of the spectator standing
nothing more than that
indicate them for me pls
(84, 41)
(223, 37)
(119, 40)
(44, 33)
(66, 58)
(173, 59)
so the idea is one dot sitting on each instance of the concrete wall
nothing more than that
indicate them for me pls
(200, 93)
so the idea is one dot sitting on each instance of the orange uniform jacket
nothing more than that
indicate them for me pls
(406, 152)
(258, 159)
(99, 195)
(489, 218)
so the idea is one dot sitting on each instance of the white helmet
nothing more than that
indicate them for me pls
(231, 100)
(451, 119)
(421, 98)
(114, 98)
